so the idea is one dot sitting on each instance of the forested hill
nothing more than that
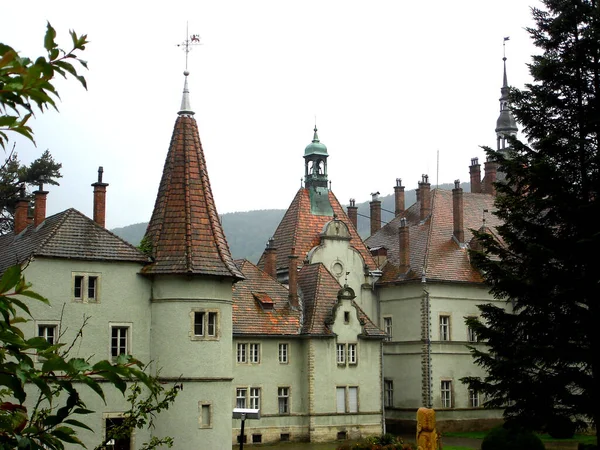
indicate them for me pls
(248, 232)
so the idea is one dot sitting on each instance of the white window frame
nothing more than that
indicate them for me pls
(128, 327)
(254, 353)
(84, 288)
(344, 396)
(201, 422)
(352, 353)
(340, 354)
(471, 335)
(474, 401)
(446, 396)
(209, 326)
(283, 399)
(48, 324)
(444, 327)
(388, 327)
(241, 394)
(283, 350)
(388, 390)
(254, 397)
(242, 353)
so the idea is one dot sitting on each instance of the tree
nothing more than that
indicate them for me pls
(543, 359)
(24, 85)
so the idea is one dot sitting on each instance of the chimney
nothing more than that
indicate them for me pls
(475, 172)
(425, 197)
(271, 258)
(100, 199)
(39, 211)
(490, 168)
(375, 205)
(353, 213)
(399, 197)
(404, 246)
(21, 211)
(458, 212)
(293, 279)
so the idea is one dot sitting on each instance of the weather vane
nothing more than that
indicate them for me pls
(190, 41)
(504, 47)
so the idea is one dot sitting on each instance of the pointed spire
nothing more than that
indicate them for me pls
(506, 125)
(316, 136)
(186, 108)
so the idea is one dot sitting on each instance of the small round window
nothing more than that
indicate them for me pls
(337, 268)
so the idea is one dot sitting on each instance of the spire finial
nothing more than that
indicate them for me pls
(316, 136)
(505, 80)
(187, 45)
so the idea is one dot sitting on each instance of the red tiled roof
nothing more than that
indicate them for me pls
(249, 317)
(68, 234)
(185, 232)
(432, 246)
(300, 229)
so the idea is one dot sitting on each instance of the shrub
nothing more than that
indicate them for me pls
(561, 427)
(386, 442)
(501, 438)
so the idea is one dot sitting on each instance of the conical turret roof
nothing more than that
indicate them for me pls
(185, 233)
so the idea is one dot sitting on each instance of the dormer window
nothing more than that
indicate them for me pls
(86, 287)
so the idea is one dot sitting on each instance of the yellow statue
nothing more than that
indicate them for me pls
(427, 436)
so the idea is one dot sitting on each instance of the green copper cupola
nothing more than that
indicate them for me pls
(315, 176)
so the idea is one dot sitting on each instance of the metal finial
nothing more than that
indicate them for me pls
(187, 44)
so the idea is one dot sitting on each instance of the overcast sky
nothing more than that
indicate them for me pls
(392, 85)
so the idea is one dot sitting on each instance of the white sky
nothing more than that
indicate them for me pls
(391, 84)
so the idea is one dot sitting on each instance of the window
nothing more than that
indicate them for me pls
(120, 340)
(352, 355)
(346, 316)
(347, 399)
(240, 397)
(49, 332)
(204, 324)
(444, 328)
(86, 287)
(471, 335)
(256, 438)
(255, 353)
(473, 398)
(254, 398)
(388, 387)
(205, 415)
(387, 327)
(242, 353)
(283, 353)
(446, 391)
(283, 400)
(120, 443)
(341, 353)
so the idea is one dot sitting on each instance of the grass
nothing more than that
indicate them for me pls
(581, 438)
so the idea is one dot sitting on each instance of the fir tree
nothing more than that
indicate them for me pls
(543, 359)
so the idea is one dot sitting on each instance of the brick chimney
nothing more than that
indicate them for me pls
(475, 172)
(293, 279)
(271, 258)
(425, 197)
(100, 199)
(399, 197)
(375, 205)
(490, 168)
(458, 212)
(404, 246)
(353, 213)
(39, 211)
(21, 211)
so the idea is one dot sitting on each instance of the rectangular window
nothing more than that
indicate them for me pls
(86, 287)
(341, 353)
(353, 399)
(283, 399)
(255, 353)
(352, 356)
(199, 323)
(388, 386)
(446, 391)
(240, 397)
(283, 353)
(346, 316)
(118, 443)
(340, 395)
(473, 398)
(48, 332)
(119, 341)
(205, 415)
(387, 327)
(444, 328)
(254, 398)
(471, 335)
(211, 326)
(242, 353)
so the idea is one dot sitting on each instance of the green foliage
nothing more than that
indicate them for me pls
(24, 82)
(560, 427)
(386, 442)
(501, 438)
(49, 413)
(543, 360)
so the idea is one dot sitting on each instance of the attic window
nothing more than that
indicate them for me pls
(346, 316)
(263, 300)
(378, 251)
